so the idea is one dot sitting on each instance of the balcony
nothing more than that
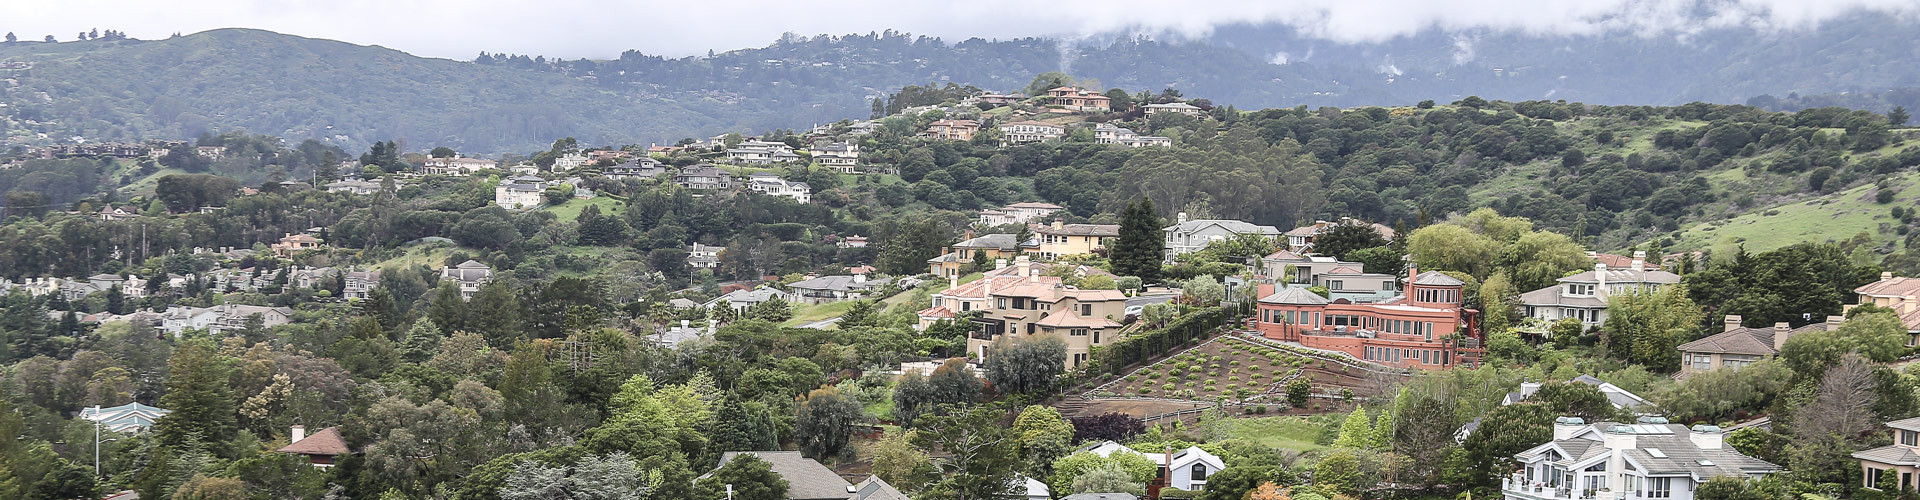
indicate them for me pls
(1517, 486)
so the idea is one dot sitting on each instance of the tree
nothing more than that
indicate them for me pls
(1452, 247)
(1344, 470)
(11, 38)
(1068, 470)
(979, 453)
(1298, 390)
(1347, 236)
(900, 464)
(442, 152)
(1118, 427)
(1895, 117)
(1356, 431)
(1109, 477)
(1576, 399)
(1235, 482)
(600, 230)
(751, 478)
(610, 477)
(1044, 436)
(197, 391)
(905, 250)
(1647, 327)
(1730, 488)
(744, 426)
(1141, 245)
(1024, 364)
(1830, 425)
(1503, 432)
(49, 39)
(823, 422)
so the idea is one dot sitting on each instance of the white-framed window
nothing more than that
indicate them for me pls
(1910, 438)
(1077, 332)
(1335, 285)
(1660, 487)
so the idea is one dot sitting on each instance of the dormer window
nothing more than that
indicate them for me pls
(1909, 438)
(1579, 289)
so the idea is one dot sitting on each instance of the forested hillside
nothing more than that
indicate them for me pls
(301, 88)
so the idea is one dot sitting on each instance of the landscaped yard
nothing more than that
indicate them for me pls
(1230, 368)
(803, 314)
(572, 208)
(1290, 432)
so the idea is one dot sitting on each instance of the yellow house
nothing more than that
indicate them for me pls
(1902, 295)
(1043, 306)
(1058, 240)
(953, 261)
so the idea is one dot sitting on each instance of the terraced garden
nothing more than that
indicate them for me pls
(1237, 370)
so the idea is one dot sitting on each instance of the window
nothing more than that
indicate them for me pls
(1086, 309)
(1079, 358)
(1078, 332)
(1199, 472)
(1660, 487)
(1700, 361)
(1910, 438)
(1873, 477)
(1335, 284)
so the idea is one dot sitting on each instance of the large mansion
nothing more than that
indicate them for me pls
(1425, 328)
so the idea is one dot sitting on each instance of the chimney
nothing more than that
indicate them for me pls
(1639, 260)
(1564, 427)
(1620, 437)
(1181, 218)
(686, 324)
(1885, 275)
(1707, 437)
(859, 278)
(1264, 289)
(1600, 279)
(1732, 323)
(1780, 332)
(299, 433)
(1059, 224)
(953, 281)
(1023, 267)
(999, 263)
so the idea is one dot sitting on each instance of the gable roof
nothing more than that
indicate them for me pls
(1077, 229)
(875, 488)
(1297, 296)
(806, 478)
(325, 442)
(1748, 341)
(999, 241)
(1890, 286)
(1233, 226)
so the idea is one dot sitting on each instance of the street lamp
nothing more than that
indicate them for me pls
(97, 441)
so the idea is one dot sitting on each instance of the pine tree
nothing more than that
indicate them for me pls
(197, 392)
(1896, 117)
(1356, 432)
(11, 38)
(117, 300)
(1141, 245)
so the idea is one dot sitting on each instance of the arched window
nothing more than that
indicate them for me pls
(1199, 472)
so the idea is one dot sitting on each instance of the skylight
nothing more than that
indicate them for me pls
(1656, 453)
(1704, 463)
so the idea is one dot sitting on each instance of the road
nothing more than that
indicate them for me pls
(822, 324)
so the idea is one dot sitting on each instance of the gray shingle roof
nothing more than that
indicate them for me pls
(1294, 296)
(1001, 241)
(1550, 296)
(876, 489)
(1101, 496)
(1436, 278)
(1890, 455)
(806, 479)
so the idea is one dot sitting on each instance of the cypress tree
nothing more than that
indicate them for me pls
(1140, 247)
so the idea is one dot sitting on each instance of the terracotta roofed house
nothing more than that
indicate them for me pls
(1078, 99)
(321, 448)
(1083, 319)
(953, 130)
(1737, 346)
(1900, 294)
(1427, 327)
(1300, 239)
(993, 246)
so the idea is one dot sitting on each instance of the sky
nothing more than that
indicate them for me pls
(599, 29)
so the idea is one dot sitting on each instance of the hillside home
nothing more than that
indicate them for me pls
(954, 260)
(953, 130)
(454, 166)
(1078, 99)
(829, 289)
(1621, 399)
(806, 478)
(1343, 280)
(1300, 239)
(1584, 296)
(1193, 235)
(703, 177)
(843, 157)
(1900, 460)
(1059, 240)
(130, 417)
(520, 192)
(1107, 133)
(1018, 213)
(1615, 261)
(703, 256)
(637, 168)
(855, 241)
(470, 275)
(761, 153)
(773, 185)
(1651, 459)
(1025, 131)
(221, 318)
(1173, 107)
(961, 298)
(295, 243)
(1737, 346)
(321, 449)
(1426, 328)
(1000, 99)
(359, 284)
(355, 186)
(569, 161)
(740, 300)
(1901, 294)
(1083, 319)
(1186, 469)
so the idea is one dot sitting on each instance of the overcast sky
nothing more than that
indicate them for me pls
(603, 28)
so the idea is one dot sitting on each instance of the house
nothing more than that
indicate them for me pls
(674, 335)
(222, 318)
(1058, 240)
(520, 192)
(454, 166)
(1900, 294)
(806, 479)
(111, 213)
(843, 157)
(321, 448)
(953, 130)
(703, 256)
(703, 177)
(355, 186)
(863, 127)
(1025, 131)
(961, 298)
(214, 152)
(773, 185)
(1193, 235)
(874, 488)
(1083, 319)
(761, 153)
(637, 168)
(1620, 398)
(828, 289)
(1737, 346)
(1189, 468)
(1173, 107)
(855, 241)
(1648, 459)
(1902, 457)
(1142, 141)
(470, 275)
(1343, 280)
(1018, 213)
(569, 161)
(953, 261)
(295, 243)
(1428, 327)
(1584, 296)
(1300, 239)
(130, 417)
(1000, 99)
(741, 300)
(1615, 261)
(1107, 133)
(359, 284)
(1078, 99)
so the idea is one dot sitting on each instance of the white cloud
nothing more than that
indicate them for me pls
(601, 29)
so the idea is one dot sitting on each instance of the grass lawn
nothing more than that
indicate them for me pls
(1837, 216)
(572, 208)
(882, 409)
(803, 314)
(432, 257)
(1293, 433)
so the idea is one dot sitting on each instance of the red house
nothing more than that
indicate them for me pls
(1427, 327)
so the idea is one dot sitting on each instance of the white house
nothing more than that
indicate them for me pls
(1018, 213)
(843, 157)
(1188, 468)
(519, 192)
(1651, 459)
(1026, 131)
(1192, 235)
(355, 186)
(454, 166)
(221, 318)
(740, 300)
(569, 161)
(470, 274)
(773, 185)
(1173, 107)
(1584, 296)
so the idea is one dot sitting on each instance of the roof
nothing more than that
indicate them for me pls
(1911, 424)
(1890, 455)
(936, 312)
(1679, 455)
(1233, 226)
(1173, 105)
(836, 283)
(875, 488)
(1078, 229)
(806, 479)
(1101, 496)
(325, 442)
(1437, 278)
(1032, 123)
(1890, 286)
(1748, 341)
(1036, 204)
(1283, 254)
(1625, 276)
(1298, 296)
(1550, 296)
(1068, 319)
(1001, 241)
